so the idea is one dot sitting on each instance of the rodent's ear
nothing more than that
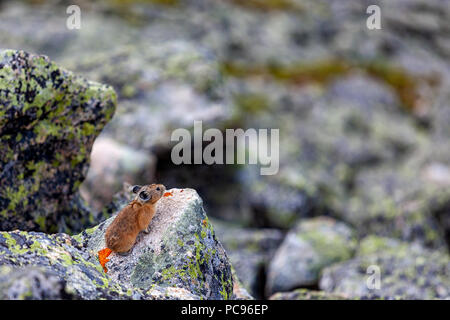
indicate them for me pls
(136, 188)
(126, 186)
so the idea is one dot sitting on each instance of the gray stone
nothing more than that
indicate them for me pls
(179, 259)
(310, 247)
(32, 283)
(406, 272)
(181, 250)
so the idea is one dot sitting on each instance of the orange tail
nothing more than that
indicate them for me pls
(102, 257)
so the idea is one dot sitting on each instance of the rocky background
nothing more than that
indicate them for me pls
(364, 119)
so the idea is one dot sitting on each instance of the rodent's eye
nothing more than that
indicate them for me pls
(157, 189)
(144, 195)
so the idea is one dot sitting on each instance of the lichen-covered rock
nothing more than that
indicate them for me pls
(399, 202)
(250, 251)
(60, 254)
(305, 294)
(49, 119)
(307, 249)
(181, 250)
(179, 259)
(32, 283)
(406, 272)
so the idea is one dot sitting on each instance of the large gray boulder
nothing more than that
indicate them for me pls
(49, 119)
(181, 250)
(179, 259)
(56, 256)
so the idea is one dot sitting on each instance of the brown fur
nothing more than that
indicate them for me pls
(134, 218)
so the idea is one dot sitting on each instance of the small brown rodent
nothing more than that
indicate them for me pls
(135, 217)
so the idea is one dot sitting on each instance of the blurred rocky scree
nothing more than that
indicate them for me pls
(364, 118)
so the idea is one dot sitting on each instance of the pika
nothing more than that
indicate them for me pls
(121, 234)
